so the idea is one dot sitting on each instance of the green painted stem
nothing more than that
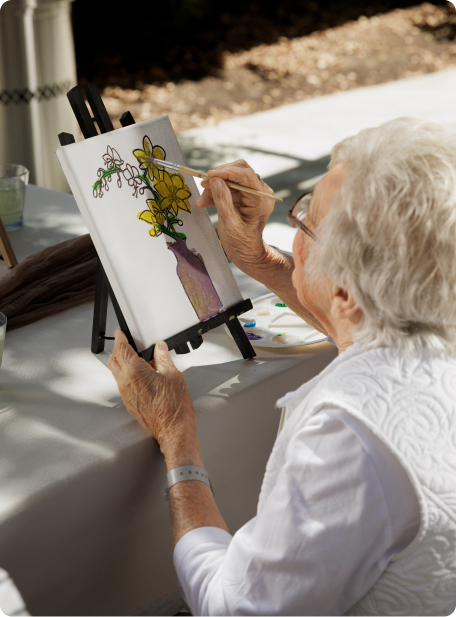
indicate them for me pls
(104, 175)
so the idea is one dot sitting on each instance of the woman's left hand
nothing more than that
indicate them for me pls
(154, 393)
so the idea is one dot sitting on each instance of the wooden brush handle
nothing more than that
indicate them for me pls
(245, 189)
(201, 174)
(193, 172)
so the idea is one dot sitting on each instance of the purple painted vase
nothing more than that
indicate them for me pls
(195, 280)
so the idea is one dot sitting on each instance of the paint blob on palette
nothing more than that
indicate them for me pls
(270, 323)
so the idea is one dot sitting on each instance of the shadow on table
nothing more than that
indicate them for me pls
(227, 380)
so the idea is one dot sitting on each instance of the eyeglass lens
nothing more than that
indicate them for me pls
(300, 208)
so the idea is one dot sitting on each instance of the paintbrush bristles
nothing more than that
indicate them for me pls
(203, 175)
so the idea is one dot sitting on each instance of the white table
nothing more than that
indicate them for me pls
(84, 529)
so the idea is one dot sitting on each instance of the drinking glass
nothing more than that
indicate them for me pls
(13, 182)
(2, 334)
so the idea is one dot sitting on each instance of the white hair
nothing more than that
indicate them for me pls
(390, 237)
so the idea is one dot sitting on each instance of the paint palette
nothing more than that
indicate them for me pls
(272, 324)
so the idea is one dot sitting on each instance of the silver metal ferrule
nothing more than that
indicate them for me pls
(168, 165)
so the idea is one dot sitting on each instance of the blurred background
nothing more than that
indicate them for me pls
(198, 61)
(202, 63)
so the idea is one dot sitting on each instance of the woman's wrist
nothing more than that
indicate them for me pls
(268, 263)
(181, 457)
(182, 447)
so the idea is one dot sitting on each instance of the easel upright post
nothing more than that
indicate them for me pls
(100, 311)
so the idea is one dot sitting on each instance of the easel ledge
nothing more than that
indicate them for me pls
(178, 342)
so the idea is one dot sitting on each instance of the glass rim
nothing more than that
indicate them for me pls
(3, 320)
(17, 169)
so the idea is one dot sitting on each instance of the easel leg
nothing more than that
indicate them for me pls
(100, 311)
(240, 338)
(118, 311)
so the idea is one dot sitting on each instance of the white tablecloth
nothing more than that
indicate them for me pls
(84, 528)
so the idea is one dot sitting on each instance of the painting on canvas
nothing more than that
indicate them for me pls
(160, 253)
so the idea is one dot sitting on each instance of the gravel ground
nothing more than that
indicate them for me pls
(402, 43)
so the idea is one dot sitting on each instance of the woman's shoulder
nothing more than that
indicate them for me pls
(373, 382)
(388, 363)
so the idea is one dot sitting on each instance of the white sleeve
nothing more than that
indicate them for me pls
(11, 602)
(322, 538)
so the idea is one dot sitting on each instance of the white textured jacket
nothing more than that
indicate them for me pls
(357, 511)
(410, 404)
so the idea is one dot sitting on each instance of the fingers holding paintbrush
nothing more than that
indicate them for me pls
(240, 173)
(241, 216)
(247, 206)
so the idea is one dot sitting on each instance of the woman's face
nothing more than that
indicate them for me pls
(316, 298)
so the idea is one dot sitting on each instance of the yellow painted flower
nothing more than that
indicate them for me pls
(154, 216)
(174, 192)
(153, 169)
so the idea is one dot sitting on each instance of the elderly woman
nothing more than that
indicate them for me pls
(357, 513)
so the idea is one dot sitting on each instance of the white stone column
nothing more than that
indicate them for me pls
(37, 68)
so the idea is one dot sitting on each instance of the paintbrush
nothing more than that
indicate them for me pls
(201, 174)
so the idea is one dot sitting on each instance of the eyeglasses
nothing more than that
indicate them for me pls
(297, 214)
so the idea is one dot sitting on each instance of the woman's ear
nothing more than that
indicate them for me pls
(344, 305)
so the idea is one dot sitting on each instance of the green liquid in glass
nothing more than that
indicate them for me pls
(12, 195)
(2, 344)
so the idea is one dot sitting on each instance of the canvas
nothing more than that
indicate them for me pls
(162, 255)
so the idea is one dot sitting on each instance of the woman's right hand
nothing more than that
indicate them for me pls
(242, 219)
(242, 216)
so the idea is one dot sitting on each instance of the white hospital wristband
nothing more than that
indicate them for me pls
(184, 473)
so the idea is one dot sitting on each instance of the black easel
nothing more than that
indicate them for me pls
(178, 342)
